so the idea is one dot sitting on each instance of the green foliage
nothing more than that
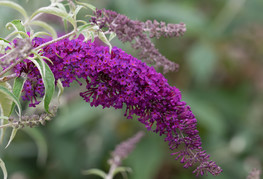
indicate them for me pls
(14, 6)
(220, 78)
(2, 165)
(7, 98)
(48, 79)
(94, 171)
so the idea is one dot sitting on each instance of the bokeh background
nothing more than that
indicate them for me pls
(220, 77)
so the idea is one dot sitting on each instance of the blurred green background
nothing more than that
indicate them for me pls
(220, 77)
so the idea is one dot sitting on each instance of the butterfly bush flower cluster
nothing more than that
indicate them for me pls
(119, 80)
(135, 32)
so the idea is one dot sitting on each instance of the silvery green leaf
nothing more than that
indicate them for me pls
(8, 97)
(48, 80)
(104, 39)
(2, 165)
(93, 8)
(19, 34)
(94, 171)
(14, 6)
(55, 11)
(122, 170)
(61, 88)
(5, 106)
(46, 26)
(78, 8)
(39, 34)
(81, 21)
(12, 136)
(17, 89)
(112, 35)
(60, 6)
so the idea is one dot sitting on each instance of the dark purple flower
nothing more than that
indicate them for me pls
(117, 79)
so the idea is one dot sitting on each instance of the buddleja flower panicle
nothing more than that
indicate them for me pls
(134, 32)
(119, 80)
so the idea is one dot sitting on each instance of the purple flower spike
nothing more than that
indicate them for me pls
(118, 80)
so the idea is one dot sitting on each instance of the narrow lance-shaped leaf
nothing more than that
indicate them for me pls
(12, 136)
(60, 6)
(55, 11)
(4, 40)
(104, 39)
(94, 171)
(17, 89)
(14, 6)
(93, 8)
(61, 89)
(46, 26)
(13, 98)
(122, 170)
(19, 34)
(39, 34)
(112, 35)
(2, 165)
(5, 107)
(48, 80)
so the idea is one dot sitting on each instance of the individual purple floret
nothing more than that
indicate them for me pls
(119, 80)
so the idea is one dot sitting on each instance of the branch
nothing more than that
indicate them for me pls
(7, 78)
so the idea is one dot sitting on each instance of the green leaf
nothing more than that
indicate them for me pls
(4, 40)
(14, 6)
(46, 26)
(8, 95)
(60, 6)
(112, 35)
(13, 134)
(19, 33)
(16, 24)
(94, 171)
(122, 170)
(48, 80)
(65, 25)
(2, 165)
(39, 34)
(78, 8)
(41, 143)
(17, 89)
(93, 8)
(5, 106)
(81, 21)
(61, 89)
(55, 11)
(104, 39)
